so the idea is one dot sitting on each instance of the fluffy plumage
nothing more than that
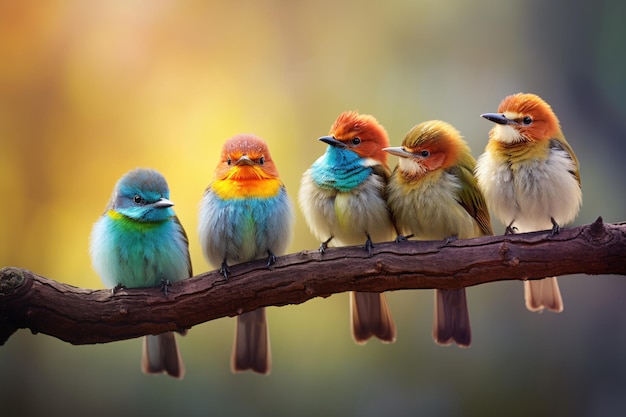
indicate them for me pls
(245, 214)
(433, 195)
(529, 175)
(138, 242)
(342, 198)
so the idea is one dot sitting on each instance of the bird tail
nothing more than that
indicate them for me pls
(160, 355)
(451, 321)
(543, 293)
(371, 316)
(251, 349)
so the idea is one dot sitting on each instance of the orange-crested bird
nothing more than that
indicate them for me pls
(433, 194)
(342, 198)
(529, 175)
(245, 214)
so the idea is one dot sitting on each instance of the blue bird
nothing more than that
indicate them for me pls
(245, 214)
(138, 242)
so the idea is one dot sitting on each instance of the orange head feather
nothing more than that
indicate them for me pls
(362, 134)
(430, 146)
(529, 116)
(244, 157)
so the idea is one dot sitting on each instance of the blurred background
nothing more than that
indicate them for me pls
(92, 89)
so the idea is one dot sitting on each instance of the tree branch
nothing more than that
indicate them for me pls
(82, 316)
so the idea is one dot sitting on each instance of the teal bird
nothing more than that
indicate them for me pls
(342, 198)
(245, 214)
(138, 242)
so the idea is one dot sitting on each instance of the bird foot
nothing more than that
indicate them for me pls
(225, 269)
(369, 245)
(510, 229)
(165, 283)
(324, 245)
(271, 258)
(401, 238)
(117, 288)
(450, 239)
(556, 229)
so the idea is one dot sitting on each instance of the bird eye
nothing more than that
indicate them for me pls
(425, 153)
(527, 120)
(356, 141)
(137, 199)
(261, 160)
(228, 161)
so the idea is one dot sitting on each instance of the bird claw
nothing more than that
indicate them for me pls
(510, 229)
(271, 258)
(324, 245)
(117, 288)
(225, 269)
(369, 245)
(450, 239)
(401, 238)
(556, 229)
(165, 283)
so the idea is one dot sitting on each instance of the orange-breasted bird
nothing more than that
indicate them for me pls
(245, 214)
(529, 175)
(433, 195)
(342, 198)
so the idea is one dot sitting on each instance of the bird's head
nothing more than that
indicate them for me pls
(430, 146)
(245, 157)
(360, 133)
(523, 118)
(142, 195)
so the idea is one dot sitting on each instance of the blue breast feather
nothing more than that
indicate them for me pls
(143, 257)
(340, 169)
(241, 230)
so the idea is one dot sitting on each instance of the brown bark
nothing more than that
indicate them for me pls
(82, 316)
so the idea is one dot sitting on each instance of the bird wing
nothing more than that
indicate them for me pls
(562, 145)
(181, 229)
(384, 172)
(472, 199)
(381, 170)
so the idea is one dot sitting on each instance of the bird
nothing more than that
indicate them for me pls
(433, 195)
(530, 177)
(342, 198)
(245, 214)
(138, 242)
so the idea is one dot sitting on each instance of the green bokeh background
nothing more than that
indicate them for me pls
(92, 89)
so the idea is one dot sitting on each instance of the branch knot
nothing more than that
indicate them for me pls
(11, 279)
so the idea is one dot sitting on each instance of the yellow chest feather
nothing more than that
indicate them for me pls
(249, 188)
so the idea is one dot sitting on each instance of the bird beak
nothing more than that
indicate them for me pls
(332, 141)
(399, 151)
(244, 160)
(162, 203)
(498, 118)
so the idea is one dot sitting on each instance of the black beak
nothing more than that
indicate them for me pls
(498, 118)
(332, 141)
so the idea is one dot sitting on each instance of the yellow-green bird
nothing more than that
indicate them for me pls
(433, 195)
